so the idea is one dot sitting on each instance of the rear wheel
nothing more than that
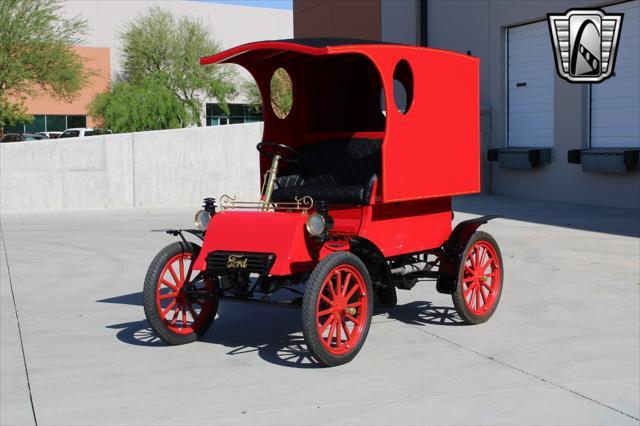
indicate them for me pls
(480, 278)
(337, 308)
(174, 313)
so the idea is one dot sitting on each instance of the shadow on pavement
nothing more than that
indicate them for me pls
(136, 299)
(424, 313)
(274, 334)
(137, 333)
(608, 220)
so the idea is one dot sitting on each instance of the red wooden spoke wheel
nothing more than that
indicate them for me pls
(181, 314)
(172, 311)
(479, 280)
(337, 308)
(341, 309)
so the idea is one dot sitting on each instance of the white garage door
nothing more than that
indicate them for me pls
(615, 103)
(530, 74)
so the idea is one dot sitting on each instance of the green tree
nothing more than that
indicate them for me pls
(252, 94)
(281, 93)
(36, 55)
(135, 107)
(162, 46)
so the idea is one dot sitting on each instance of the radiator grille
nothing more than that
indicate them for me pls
(223, 262)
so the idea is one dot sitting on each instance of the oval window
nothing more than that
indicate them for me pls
(281, 90)
(403, 86)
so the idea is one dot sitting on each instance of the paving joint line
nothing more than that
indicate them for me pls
(525, 372)
(15, 311)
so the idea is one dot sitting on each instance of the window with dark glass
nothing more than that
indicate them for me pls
(238, 113)
(76, 121)
(49, 123)
(37, 125)
(56, 123)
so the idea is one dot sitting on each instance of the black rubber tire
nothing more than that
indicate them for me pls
(150, 282)
(458, 297)
(310, 300)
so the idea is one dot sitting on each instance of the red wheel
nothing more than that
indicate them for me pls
(341, 309)
(337, 308)
(173, 313)
(479, 279)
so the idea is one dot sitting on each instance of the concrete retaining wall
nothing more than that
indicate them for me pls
(161, 168)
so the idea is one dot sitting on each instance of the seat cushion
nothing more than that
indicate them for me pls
(338, 171)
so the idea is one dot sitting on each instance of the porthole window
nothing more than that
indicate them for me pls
(281, 90)
(403, 86)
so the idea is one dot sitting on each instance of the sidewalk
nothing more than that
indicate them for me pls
(563, 347)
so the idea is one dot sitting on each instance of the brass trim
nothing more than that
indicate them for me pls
(302, 204)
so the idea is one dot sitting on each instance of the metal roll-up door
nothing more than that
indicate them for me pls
(530, 77)
(615, 103)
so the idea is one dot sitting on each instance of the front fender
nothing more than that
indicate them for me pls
(280, 233)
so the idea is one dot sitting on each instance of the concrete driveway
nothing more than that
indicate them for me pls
(563, 347)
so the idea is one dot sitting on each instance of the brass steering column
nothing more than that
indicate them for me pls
(269, 182)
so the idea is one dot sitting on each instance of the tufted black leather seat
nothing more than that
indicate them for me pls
(340, 171)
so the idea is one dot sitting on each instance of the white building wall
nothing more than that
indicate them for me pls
(230, 25)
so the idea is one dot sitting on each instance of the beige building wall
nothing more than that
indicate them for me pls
(337, 18)
(387, 20)
(96, 59)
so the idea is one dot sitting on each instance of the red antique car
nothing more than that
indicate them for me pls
(355, 202)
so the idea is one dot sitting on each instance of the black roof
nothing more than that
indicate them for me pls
(333, 41)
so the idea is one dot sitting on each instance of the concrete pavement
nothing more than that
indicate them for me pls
(562, 348)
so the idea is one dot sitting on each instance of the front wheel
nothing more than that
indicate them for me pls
(174, 313)
(480, 279)
(337, 308)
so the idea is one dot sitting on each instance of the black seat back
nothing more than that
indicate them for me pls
(341, 171)
(341, 162)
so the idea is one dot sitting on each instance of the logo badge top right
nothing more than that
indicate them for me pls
(585, 43)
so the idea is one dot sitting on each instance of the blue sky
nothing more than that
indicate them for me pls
(274, 4)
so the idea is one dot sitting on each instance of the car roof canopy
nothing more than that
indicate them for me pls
(339, 90)
(331, 94)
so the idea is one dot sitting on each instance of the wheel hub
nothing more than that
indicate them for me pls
(181, 297)
(350, 311)
(340, 307)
